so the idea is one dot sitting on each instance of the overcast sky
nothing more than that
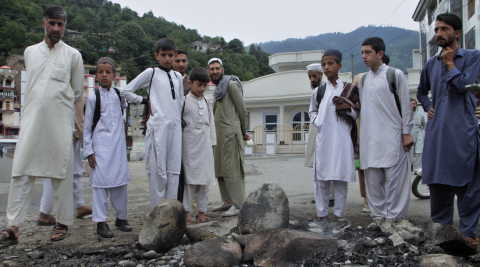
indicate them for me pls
(254, 21)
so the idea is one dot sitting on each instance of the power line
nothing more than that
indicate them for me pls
(376, 28)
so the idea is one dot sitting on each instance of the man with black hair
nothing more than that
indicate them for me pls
(163, 138)
(231, 128)
(386, 59)
(333, 111)
(44, 149)
(385, 140)
(450, 155)
(180, 64)
(418, 135)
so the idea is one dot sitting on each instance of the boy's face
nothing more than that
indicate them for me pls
(330, 66)
(105, 75)
(165, 58)
(197, 88)
(370, 57)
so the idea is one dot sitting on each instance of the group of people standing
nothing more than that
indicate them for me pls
(182, 127)
(390, 130)
(190, 141)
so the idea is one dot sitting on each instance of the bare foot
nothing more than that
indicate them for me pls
(188, 218)
(201, 217)
(84, 210)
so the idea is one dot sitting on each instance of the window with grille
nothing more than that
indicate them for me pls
(471, 8)
(470, 39)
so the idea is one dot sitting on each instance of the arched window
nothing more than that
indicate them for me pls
(301, 120)
(8, 83)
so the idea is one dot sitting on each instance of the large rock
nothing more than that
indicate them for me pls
(214, 252)
(450, 239)
(165, 226)
(242, 239)
(203, 231)
(285, 247)
(265, 208)
(405, 229)
(441, 260)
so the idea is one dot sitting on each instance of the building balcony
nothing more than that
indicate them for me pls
(7, 88)
(7, 111)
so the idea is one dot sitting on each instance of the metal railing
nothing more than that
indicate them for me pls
(288, 140)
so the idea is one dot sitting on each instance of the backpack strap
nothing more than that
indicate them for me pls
(96, 114)
(392, 83)
(321, 92)
(119, 98)
(364, 76)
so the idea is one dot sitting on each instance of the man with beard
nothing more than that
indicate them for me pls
(418, 134)
(315, 74)
(231, 128)
(180, 64)
(450, 155)
(45, 145)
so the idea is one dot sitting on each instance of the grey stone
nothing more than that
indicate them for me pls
(150, 255)
(128, 256)
(109, 264)
(165, 226)
(441, 260)
(358, 245)
(380, 241)
(126, 264)
(161, 262)
(397, 240)
(202, 231)
(286, 247)
(316, 230)
(265, 208)
(405, 229)
(369, 243)
(450, 239)
(373, 227)
(140, 265)
(242, 239)
(35, 255)
(342, 244)
(10, 264)
(214, 252)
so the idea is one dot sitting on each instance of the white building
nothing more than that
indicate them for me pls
(427, 11)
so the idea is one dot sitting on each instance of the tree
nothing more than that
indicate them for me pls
(132, 31)
(236, 46)
(252, 51)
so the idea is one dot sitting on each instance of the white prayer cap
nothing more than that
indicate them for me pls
(315, 66)
(213, 60)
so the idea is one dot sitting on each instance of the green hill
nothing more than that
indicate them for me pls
(104, 24)
(399, 45)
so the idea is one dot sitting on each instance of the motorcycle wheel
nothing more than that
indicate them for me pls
(422, 191)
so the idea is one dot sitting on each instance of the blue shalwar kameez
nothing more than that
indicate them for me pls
(450, 154)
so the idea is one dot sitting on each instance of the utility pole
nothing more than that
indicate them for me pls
(352, 68)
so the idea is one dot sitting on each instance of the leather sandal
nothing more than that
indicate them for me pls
(10, 240)
(59, 229)
(473, 241)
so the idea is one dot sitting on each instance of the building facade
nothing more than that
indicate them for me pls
(9, 106)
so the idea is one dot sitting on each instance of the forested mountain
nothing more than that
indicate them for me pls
(399, 45)
(105, 24)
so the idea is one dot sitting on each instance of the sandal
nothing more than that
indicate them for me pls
(473, 241)
(59, 229)
(52, 221)
(10, 240)
(80, 216)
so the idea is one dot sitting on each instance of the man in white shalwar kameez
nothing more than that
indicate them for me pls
(199, 138)
(334, 158)
(418, 134)
(385, 140)
(105, 148)
(163, 138)
(44, 149)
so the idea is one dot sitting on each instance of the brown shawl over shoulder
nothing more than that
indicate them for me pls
(350, 96)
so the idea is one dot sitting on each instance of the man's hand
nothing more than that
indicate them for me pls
(246, 137)
(342, 106)
(91, 161)
(447, 56)
(407, 142)
(477, 95)
(430, 113)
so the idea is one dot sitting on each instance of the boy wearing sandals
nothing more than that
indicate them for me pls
(104, 145)
(198, 140)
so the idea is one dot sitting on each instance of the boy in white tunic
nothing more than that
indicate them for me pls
(163, 138)
(333, 110)
(104, 145)
(385, 140)
(198, 140)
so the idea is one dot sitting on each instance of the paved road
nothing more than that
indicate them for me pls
(287, 171)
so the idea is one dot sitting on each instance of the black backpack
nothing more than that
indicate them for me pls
(96, 114)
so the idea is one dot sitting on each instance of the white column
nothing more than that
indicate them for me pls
(281, 115)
